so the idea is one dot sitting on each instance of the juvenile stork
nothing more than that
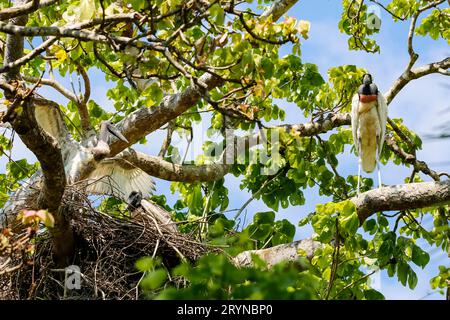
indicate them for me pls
(369, 117)
(90, 159)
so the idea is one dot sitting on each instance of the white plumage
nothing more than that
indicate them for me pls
(369, 118)
(111, 176)
(369, 128)
(118, 177)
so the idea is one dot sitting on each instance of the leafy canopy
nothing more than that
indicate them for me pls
(245, 51)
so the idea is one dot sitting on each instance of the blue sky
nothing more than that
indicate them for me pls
(420, 104)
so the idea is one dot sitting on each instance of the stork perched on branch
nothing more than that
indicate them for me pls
(369, 117)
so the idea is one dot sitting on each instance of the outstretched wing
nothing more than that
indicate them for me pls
(51, 121)
(355, 122)
(119, 178)
(382, 110)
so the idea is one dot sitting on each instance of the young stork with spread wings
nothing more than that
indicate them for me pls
(369, 117)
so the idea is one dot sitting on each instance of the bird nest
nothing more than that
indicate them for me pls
(107, 248)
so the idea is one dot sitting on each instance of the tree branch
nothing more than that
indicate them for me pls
(402, 197)
(166, 143)
(146, 120)
(278, 8)
(82, 104)
(411, 159)
(408, 75)
(40, 143)
(54, 84)
(75, 32)
(160, 168)
(277, 254)
(26, 8)
(393, 198)
(16, 63)
(157, 167)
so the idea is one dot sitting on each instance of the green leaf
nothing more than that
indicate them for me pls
(138, 4)
(267, 66)
(419, 256)
(403, 272)
(412, 279)
(154, 279)
(370, 226)
(264, 217)
(145, 264)
(260, 231)
(372, 294)
(217, 13)
(154, 94)
(350, 223)
(382, 221)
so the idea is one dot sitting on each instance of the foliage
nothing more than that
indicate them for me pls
(246, 52)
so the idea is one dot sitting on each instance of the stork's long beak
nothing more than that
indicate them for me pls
(116, 133)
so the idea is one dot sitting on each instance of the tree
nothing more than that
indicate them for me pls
(172, 63)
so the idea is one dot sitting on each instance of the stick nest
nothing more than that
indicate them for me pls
(107, 248)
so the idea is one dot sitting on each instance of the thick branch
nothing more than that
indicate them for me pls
(46, 151)
(74, 32)
(26, 8)
(160, 168)
(408, 75)
(283, 252)
(21, 115)
(278, 8)
(82, 103)
(393, 198)
(402, 197)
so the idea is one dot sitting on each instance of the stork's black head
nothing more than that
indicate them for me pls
(368, 90)
(367, 79)
(134, 200)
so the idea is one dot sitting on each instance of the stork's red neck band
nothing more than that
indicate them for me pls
(367, 98)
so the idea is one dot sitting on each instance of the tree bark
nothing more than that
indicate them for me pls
(393, 198)
(283, 252)
(22, 118)
(24, 8)
(402, 197)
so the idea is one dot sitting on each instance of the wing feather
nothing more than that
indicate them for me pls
(355, 122)
(115, 177)
(382, 110)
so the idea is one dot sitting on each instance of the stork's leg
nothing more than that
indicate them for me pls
(359, 175)
(379, 173)
(378, 163)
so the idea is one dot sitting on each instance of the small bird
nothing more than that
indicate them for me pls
(142, 209)
(369, 117)
(134, 200)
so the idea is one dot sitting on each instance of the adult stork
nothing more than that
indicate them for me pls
(89, 160)
(369, 117)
